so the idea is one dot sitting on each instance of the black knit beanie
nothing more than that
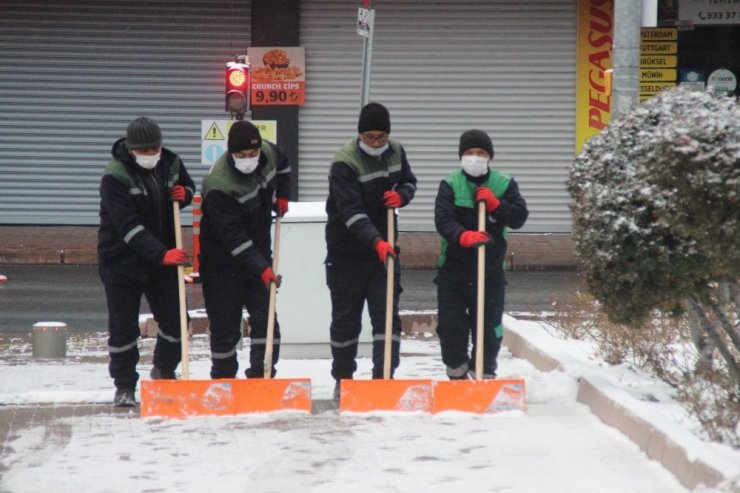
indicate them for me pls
(244, 136)
(475, 138)
(143, 133)
(374, 116)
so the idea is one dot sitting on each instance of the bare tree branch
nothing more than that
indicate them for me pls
(704, 345)
(711, 329)
(726, 324)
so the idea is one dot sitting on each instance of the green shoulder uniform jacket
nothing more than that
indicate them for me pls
(237, 211)
(136, 217)
(357, 217)
(455, 211)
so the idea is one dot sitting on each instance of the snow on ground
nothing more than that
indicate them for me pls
(556, 446)
(654, 397)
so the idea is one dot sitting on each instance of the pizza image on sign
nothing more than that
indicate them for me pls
(277, 76)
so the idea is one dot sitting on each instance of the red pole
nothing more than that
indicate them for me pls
(197, 213)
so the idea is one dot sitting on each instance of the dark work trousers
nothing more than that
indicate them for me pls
(124, 299)
(226, 291)
(457, 308)
(351, 282)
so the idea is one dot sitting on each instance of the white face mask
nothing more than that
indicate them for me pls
(373, 151)
(246, 164)
(474, 165)
(147, 162)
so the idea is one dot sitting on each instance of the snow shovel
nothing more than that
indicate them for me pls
(183, 398)
(479, 396)
(361, 396)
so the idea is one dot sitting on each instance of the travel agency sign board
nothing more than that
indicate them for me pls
(709, 12)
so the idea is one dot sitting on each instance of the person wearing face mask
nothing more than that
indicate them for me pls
(368, 175)
(137, 254)
(456, 219)
(240, 193)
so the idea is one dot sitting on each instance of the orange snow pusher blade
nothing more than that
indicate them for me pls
(479, 396)
(363, 396)
(182, 398)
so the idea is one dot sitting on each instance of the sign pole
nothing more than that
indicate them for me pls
(367, 53)
(626, 56)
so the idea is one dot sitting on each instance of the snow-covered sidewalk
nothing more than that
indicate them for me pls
(558, 445)
(640, 406)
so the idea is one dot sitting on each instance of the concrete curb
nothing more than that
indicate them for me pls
(656, 443)
(521, 348)
(688, 458)
(413, 323)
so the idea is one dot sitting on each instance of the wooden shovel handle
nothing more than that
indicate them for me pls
(389, 299)
(481, 295)
(271, 309)
(185, 363)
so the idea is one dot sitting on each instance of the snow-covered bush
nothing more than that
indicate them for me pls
(657, 204)
(657, 220)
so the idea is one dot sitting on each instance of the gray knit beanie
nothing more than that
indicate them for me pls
(143, 133)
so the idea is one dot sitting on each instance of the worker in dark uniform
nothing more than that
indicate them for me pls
(456, 219)
(240, 193)
(137, 254)
(368, 175)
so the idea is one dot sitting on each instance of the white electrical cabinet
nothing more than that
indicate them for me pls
(303, 304)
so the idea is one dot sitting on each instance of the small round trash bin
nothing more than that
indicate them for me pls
(49, 340)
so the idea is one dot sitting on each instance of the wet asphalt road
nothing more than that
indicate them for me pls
(75, 295)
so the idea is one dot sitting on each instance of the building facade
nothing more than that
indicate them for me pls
(73, 73)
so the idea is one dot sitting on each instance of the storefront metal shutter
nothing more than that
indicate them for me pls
(443, 67)
(74, 73)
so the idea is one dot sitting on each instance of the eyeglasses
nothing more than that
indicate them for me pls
(379, 138)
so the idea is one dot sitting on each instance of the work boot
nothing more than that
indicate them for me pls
(125, 397)
(468, 375)
(160, 374)
(486, 376)
(254, 372)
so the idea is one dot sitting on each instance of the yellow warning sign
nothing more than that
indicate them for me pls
(214, 133)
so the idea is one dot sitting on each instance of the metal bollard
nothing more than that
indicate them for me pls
(49, 340)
